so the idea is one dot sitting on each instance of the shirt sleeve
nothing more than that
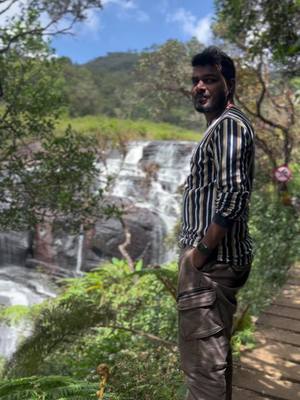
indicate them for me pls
(232, 147)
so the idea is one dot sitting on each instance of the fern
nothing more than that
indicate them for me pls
(47, 388)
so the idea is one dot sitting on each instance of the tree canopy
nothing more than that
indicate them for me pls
(43, 175)
(269, 27)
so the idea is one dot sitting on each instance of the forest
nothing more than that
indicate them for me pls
(113, 318)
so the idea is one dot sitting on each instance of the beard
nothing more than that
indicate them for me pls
(211, 105)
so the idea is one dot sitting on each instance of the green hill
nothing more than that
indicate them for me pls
(121, 130)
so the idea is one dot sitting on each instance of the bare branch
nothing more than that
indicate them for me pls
(171, 345)
(38, 31)
(123, 246)
(4, 10)
(167, 283)
(266, 149)
(258, 113)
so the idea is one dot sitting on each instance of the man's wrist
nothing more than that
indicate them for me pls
(203, 249)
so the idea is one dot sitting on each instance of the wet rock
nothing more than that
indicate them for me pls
(15, 247)
(147, 235)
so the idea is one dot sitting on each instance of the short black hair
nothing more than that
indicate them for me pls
(212, 55)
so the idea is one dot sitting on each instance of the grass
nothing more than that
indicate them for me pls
(121, 129)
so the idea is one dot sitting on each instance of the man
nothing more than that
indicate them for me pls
(217, 250)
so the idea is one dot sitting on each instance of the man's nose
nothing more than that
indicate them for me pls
(200, 87)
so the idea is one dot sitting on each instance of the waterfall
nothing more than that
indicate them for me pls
(151, 175)
(79, 250)
(20, 286)
(14, 247)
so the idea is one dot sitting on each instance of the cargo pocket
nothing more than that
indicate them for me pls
(198, 313)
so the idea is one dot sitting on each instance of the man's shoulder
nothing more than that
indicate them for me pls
(236, 118)
(237, 115)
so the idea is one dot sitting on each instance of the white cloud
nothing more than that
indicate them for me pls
(127, 9)
(201, 28)
(128, 5)
(92, 23)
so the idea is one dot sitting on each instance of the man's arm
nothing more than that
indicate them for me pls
(212, 238)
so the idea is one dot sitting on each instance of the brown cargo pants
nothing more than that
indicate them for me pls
(206, 303)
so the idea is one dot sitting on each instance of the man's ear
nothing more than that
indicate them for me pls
(231, 87)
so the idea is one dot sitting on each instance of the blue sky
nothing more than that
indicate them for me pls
(135, 25)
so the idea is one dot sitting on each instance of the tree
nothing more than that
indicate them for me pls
(32, 18)
(269, 100)
(262, 27)
(43, 175)
(163, 81)
(80, 92)
(266, 57)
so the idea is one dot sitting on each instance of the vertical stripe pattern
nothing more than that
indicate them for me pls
(219, 186)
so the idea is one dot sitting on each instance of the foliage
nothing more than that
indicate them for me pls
(110, 315)
(120, 131)
(269, 100)
(21, 19)
(15, 314)
(110, 298)
(81, 95)
(43, 176)
(163, 81)
(114, 78)
(97, 87)
(128, 320)
(262, 27)
(47, 388)
(266, 57)
(274, 253)
(131, 85)
(243, 338)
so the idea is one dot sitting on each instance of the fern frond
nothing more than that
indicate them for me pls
(47, 388)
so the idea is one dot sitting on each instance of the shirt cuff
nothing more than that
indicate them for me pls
(224, 222)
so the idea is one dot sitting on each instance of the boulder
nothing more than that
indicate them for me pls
(15, 247)
(147, 235)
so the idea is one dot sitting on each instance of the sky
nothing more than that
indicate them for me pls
(124, 25)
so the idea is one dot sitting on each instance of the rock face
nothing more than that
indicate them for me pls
(149, 180)
(61, 251)
(15, 247)
(147, 232)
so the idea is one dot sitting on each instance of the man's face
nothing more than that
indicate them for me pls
(210, 90)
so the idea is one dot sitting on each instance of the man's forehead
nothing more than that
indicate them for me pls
(200, 70)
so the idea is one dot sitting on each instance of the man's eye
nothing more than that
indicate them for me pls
(195, 81)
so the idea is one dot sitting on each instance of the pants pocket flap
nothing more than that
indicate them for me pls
(198, 314)
(197, 299)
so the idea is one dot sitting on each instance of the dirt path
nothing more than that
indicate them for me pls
(272, 370)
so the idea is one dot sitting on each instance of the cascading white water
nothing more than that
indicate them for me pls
(79, 250)
(20, 286)
(151, 175)
(159, 191)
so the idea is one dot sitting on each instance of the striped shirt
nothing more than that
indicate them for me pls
(219, 185)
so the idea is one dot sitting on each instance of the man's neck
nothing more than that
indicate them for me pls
(211, 117)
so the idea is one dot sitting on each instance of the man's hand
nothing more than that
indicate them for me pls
(195, 258)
